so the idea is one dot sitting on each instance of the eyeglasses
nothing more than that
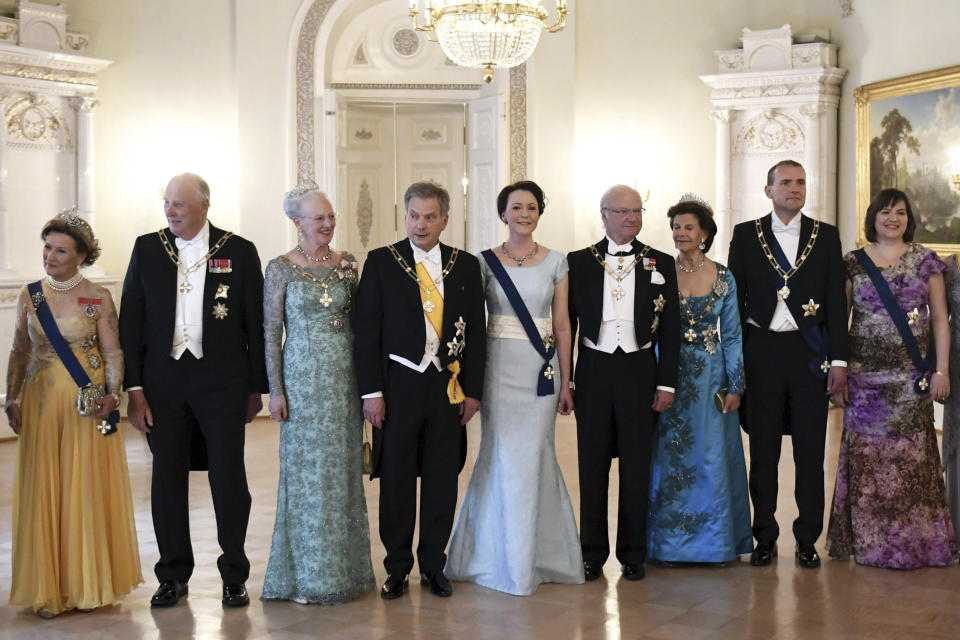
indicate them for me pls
(625, 212)
(330, 217)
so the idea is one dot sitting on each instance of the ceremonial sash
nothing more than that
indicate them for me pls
(545, 386)
(73, 366)
(815, 336)
(924, 365)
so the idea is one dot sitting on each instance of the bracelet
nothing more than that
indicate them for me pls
(941, 373)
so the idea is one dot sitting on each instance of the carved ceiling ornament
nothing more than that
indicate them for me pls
(406, 42)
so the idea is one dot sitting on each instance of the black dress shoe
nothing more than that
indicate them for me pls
(807, 557)
(235, 595)
(168, 593)
(438, 583)
(634, 571)
(394, 587)
(763, 554)
(592, 570)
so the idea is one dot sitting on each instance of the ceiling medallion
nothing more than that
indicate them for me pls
(487, 35)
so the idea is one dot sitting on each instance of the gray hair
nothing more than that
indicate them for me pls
(295, 197)
(427, 191)
(609, 193)
(203, 189)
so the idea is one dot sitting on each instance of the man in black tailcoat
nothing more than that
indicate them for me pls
(191, 328)
(623, 296)
(793, 306)
(420, 347)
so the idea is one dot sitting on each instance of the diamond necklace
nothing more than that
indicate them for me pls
(703, 259)
(521, 259)
(311, 258)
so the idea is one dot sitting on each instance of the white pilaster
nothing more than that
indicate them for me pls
(6, 270)
(722, 203)
(86, 178)
(814, 207)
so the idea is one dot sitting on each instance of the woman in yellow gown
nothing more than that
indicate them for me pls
(74, 537)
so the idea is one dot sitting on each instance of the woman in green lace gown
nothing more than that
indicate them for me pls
(321, 539)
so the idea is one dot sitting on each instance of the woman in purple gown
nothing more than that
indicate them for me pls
(890, 506)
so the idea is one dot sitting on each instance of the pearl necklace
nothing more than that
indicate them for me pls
(311, 258)
(703, 259)
(522, 259)
(66, 285)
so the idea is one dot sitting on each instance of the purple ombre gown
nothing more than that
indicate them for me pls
(890, 505)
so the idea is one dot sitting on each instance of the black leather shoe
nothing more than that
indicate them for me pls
(168, 593)
(807, 557)
(592, 570)
(438, 583)
(235, 595)
(763, 554)
(394, 587)
(634, 571)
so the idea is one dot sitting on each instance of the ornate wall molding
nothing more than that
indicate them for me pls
(32, 122)
(518, 123)
(306, 93)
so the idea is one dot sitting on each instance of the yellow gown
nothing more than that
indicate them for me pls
(74, 536)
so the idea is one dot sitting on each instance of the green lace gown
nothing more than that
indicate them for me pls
(321, 540)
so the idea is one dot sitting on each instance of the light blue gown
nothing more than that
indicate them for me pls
(516, 528)
(699, 506)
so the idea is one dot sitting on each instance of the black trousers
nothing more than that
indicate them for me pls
(614, 398)
(781, 390)
(183, 394)
(421, 433)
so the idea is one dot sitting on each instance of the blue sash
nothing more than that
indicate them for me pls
(816, 335)
(545, 386)
(924, 365)
(60, 345)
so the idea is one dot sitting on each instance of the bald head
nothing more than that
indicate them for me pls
(621, 209)
(185, 203)
(617, 190)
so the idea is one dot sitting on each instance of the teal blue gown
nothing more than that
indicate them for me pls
(699, 505)
(321, 539)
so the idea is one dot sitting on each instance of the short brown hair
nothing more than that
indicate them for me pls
(782, 163)
(884, 199)
(78, 229)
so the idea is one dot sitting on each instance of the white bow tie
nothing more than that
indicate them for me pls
(183, 244)
(616, 248)
(778, 227)
(422, 256)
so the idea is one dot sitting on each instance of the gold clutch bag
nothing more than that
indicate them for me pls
(88, 399)
(719, 398)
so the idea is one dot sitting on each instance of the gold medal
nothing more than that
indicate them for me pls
(220, 311)
(783, 292)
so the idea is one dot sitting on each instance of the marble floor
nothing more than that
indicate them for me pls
(841, 600)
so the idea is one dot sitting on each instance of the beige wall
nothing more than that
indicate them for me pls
(206, 86)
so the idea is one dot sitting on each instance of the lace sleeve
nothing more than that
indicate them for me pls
(274, 300)
(108, 333)
(19, 351)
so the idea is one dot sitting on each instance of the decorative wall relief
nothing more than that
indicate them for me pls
(768, 132)
(364, 213)
(432, 134)
(518, 122)
(360, 57)
(32, 122)
(406, 42)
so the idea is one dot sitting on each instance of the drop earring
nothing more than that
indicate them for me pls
(701, 246)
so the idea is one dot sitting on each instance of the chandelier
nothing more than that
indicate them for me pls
(486, 35)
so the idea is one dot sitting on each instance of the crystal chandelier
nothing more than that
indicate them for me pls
(485, 35)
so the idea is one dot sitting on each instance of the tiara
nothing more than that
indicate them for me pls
(304, 187)
(689, 196)
(72, 217)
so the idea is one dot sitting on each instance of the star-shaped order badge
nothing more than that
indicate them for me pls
(913, 317)
(810, 309)
(221, 291)
(461, 325)
(220, 311)
(658, 303)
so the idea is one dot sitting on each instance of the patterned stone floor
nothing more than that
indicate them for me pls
(780, 602)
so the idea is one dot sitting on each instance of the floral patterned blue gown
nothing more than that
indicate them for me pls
(699, 505)
(321, 539)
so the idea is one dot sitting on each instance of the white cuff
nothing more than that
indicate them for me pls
(667, 389)
(129, 389)
(375, 394)
(838, 363)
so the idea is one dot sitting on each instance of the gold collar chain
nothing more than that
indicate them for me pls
(336, 272)
(413, 274)
(175, 258)
(784, 292)
(718, 290)
(621, 273)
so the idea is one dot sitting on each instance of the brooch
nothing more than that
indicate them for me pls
(810, 309)
(221, 291)
(220, 311)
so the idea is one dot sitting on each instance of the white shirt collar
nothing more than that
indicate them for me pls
(792, 227)
(202, 239)
(419, 255)
(613, 247)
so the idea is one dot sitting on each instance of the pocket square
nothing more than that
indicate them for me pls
(656, 277)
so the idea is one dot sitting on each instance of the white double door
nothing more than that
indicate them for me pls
(382, 148)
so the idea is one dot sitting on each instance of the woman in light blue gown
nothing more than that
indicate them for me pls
(699, 508)
(516, 527)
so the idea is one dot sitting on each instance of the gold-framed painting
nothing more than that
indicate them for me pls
(908, 135)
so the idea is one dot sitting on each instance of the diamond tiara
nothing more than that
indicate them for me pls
(689, 196)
